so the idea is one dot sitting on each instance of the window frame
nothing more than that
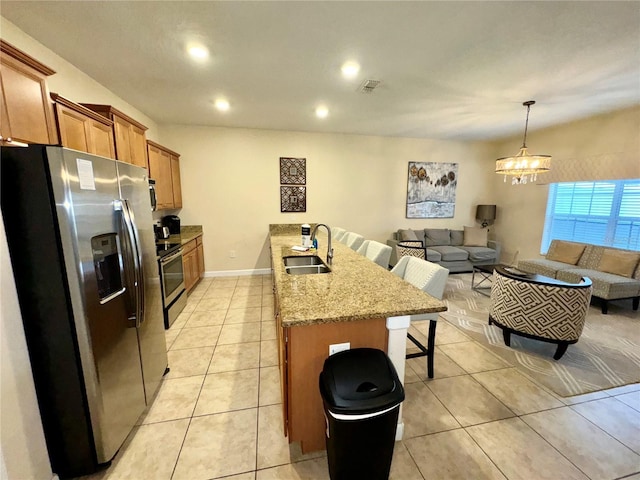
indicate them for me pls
(609, 215)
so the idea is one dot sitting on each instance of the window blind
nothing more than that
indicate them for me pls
(602, 213)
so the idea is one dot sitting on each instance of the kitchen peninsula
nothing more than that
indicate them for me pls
(357, 302)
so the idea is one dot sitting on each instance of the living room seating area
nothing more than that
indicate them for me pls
(615, 272)
(455, 250)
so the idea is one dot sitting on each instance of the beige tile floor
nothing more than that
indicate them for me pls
(218, 412)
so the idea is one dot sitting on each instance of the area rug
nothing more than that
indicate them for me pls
(607, 354)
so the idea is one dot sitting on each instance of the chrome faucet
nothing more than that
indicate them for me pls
(329, 249)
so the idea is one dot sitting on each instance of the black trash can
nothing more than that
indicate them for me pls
(361, 393)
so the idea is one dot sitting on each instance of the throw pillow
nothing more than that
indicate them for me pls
(566, 252)
(408, 235)
(437, 236)
(475, 237)
(457, 238)
(619, 263)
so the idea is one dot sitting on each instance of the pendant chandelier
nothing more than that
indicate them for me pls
(523, 166)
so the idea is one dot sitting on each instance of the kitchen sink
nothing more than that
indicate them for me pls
(305, 265)
(307, 269)
(298, 261)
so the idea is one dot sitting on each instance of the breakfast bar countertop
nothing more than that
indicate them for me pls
(355, 289)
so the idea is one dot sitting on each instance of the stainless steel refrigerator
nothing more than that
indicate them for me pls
(82, 247)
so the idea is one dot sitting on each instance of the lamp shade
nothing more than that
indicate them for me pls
(486, 213)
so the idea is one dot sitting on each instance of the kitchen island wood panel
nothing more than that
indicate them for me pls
(307, 350)
(352, 303)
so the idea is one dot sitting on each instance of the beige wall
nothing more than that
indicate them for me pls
(601, 147)
(231, 185)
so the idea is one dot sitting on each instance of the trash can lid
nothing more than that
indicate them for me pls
(360, 380)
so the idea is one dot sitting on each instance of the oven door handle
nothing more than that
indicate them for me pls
(168, 258)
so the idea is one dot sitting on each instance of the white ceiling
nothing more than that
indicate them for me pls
(449, 70)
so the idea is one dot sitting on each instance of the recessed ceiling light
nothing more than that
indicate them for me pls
(198, 52)
(322, 112)
(350, 69)
(222, 104)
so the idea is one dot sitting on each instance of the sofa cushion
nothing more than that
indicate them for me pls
(433, 256)
(618, 262)
(475, 237)
(409, 235)
(605, 285)
(566, 252)
(545, 267)
(437, 236)
(457, 238)
(450, 254)
(480, 254)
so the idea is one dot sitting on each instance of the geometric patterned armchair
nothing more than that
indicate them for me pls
(411, 248)
(551, 312)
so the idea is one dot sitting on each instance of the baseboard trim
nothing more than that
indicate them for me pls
(238, 273)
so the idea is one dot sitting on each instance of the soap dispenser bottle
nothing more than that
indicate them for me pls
(306, 235)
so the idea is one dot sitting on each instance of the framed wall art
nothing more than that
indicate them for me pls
(293, 199)
(431, 189)
(293, 171)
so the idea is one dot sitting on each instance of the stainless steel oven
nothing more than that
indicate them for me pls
(174, 297)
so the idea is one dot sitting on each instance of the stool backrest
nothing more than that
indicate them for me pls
(428, 277)
(376, 252)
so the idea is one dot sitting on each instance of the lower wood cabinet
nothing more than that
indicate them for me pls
(200, 250)
(193, 262)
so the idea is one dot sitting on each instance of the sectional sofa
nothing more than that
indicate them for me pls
(456, 250)
(615, 273)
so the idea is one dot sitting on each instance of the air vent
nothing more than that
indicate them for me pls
(369, 85)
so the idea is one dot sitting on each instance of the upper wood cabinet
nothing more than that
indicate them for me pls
(164, 168)
(83, 129)
(25, 110)
(130, 135)
(175, 181)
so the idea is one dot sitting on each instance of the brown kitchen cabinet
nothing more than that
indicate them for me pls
(176, 186)
(164, 168)
(200, 250)
(25, 111)
(193, 262)
(129, 134)
(83, 129)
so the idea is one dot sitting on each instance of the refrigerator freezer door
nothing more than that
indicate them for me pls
(134, 189)
(86, 191)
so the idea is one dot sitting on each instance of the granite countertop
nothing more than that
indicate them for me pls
(355, 289)
(187, 233)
